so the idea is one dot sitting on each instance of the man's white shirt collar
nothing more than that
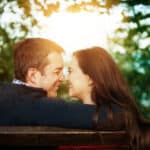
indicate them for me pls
(19, 82)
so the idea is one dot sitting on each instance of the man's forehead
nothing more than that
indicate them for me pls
(55, 60)
(54, 55)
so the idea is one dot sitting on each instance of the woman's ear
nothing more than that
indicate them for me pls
(32, 77)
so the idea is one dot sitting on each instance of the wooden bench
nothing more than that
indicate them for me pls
(60, 138)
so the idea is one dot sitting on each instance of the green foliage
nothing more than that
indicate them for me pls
(8, 28)
(134, 37)
(6, 71)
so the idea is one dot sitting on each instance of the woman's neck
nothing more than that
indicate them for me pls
(87, 99)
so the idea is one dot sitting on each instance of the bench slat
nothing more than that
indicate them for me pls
(50, 136)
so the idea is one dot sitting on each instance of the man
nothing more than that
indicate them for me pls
(38, 66)
(38, 63)
(38, 73)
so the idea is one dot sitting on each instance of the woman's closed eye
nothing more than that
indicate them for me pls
(69, 71)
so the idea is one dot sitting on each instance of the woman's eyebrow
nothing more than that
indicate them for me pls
(69, 68)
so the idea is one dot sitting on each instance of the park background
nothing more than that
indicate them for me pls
(120, 26)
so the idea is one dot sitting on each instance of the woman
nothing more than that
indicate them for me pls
(95, 79)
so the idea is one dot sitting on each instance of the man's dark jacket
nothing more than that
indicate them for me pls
(23, 105)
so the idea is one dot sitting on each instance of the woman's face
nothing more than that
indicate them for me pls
(80, 84)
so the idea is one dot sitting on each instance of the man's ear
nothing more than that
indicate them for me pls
(32, 77)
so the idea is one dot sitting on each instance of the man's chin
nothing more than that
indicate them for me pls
(71, 94)
(53, 95)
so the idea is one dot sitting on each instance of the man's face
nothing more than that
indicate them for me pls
(52, 74)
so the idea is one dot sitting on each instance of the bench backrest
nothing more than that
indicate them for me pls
(63, 138)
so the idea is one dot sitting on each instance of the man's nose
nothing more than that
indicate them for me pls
(61, 78)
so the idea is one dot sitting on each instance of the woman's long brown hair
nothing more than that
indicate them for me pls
(110, 87)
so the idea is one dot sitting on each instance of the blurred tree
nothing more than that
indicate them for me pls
(11, 30)
(133, 38)
(6, 72)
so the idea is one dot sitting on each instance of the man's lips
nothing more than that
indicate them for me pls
(69, 86)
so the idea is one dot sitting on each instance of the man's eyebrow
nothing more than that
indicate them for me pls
(59, 68)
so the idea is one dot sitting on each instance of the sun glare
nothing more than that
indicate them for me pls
(72, 30)
(75, 31)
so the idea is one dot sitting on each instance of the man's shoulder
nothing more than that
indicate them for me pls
(11, 90)
(6, 88)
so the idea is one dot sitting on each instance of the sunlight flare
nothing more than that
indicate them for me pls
(75, 31)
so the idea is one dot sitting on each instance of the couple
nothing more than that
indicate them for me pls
(93, 77)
